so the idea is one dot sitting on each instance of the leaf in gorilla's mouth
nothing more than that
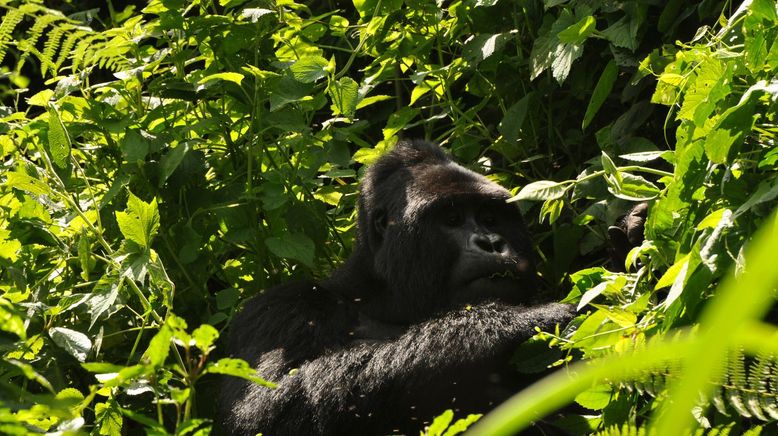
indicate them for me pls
(507, 274)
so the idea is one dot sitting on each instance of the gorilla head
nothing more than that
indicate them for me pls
(432, 234)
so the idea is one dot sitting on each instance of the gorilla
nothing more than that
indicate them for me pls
(423, 316)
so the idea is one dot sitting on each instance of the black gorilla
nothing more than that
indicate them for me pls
(422, 317)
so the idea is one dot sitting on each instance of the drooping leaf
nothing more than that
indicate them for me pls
(344, 96)
(601, 92)
(541, 190)
(58, 140)
(74, 342)
(295, 246)
(237, 368)
(309, 69)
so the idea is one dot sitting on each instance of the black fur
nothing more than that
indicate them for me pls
(401, 331)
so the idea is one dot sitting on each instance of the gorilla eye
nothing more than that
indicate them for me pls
(453, 217)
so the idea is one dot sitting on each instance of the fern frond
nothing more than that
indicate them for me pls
(10, 21)
(67, 46)
(624, 430)
(50, 48)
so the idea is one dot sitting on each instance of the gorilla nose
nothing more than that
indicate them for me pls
(489, 243)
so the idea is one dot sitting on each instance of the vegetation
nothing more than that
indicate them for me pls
(162, 164)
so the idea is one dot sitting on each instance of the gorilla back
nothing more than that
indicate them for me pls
(422, 317)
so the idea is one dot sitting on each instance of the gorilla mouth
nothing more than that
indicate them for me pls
(507, 274)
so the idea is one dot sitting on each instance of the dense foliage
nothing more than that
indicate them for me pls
(162, 164)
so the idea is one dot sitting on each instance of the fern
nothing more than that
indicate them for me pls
(10, 21)
(624, 430)
(748, 387)
(50, 48)
(60, 28)
(67, 47)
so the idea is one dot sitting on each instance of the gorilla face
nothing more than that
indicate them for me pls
(488, 238)
(438, 235)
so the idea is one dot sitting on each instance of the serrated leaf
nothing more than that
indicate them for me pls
(344, 95)
(26, 183)
(295, 246)
(75, 343)
(159, 347)
(309, 69)
(481, 47)
(58, 140)
(140, 221)
(595, 398)
(623, 33)
(578, 32)
(204, 337)
(41, 99)
(634, 188)
(102, 299)
(109, 418)
(541, 191)
(562, 61)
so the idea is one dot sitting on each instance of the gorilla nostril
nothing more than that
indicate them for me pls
(483, 243)
(500, 245)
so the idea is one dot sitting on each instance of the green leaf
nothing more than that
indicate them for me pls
(140, 221)
(510, 126)
(562, 60)
(601, 92)
(9, 247)
(710, 85)
(765, 9)
(551, 208)
(440, 423)
(159, 347)
(102, 298)
(204, 337)
(344, 96)
(541, 191)
(295, 246)
(483, 46)
(462, 424)
(634, 188)
(41, 99)
(58, 140)
(578, 32)
(11, 320)
(109, 417)
(309, 69)
(398, 120)
(595, 398)
(25, 182)
(623, 33)
(171, 160)
(227, 77)
(237, 368)
(75, 343)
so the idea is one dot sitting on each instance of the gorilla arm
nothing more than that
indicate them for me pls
(373, 372)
